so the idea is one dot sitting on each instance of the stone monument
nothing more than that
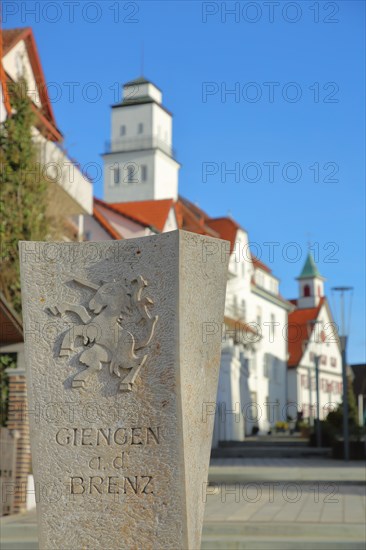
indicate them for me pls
(123, 344)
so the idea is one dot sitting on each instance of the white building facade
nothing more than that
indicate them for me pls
(252, 392)
(140, 175)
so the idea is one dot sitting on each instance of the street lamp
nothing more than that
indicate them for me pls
(343, 337)
(312, 326)
(305, 345)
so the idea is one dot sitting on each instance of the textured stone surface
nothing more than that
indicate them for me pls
(123, 344)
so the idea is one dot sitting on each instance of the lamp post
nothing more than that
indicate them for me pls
(313, 326)
(305, 345)
(310, 397)
(318, 430)
(343, 337)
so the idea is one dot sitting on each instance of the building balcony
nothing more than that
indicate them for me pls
(139, 144)
(235, 312)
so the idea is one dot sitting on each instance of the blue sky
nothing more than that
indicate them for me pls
(297, 113)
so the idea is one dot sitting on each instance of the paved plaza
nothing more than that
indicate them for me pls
(260, 504)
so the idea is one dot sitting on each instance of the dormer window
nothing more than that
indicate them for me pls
(140, 128)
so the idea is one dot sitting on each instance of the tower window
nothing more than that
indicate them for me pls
(307, 291)
(116, 176)
(143, 172)
(130, 173)
(140, 128)
(122, 130)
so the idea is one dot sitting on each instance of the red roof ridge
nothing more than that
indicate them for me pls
(193, 224)
(193, 207)
(227, 229)
(227, 219)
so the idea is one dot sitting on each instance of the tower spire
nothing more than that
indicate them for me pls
(310, 269)
(311, 284)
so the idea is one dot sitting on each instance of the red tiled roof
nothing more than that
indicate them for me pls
(191, 218)
(152, 213)
(194, 209)
(298, 330)
(103, 221)
(226, 228)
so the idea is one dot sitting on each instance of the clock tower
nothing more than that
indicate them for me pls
(139, 163)
(311, 284)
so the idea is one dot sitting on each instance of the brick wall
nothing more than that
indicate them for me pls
(18, 420)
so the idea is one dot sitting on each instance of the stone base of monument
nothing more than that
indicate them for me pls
(123, 352)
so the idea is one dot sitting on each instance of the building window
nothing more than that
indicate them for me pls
(116, 176)
(130, 173)
(266, 365)
(333, 361)
(143, 172)
(323, 360)
(122, 130)
(259, 316)
(306, 291)
(235, 305)
(273, 325)
(140, 128)
(243, 310)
